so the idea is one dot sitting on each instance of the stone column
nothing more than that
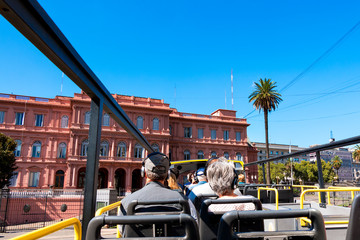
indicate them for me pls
(128, 180)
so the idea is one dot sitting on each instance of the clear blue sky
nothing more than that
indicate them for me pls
(159, 48)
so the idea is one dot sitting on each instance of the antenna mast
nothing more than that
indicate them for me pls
(232, 91)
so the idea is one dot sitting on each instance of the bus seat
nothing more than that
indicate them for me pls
(191, 232)
(201, 197)
(209, 221)
(316, 232)
(164, 207)
(353, 231)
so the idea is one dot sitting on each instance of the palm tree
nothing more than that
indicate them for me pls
(356, 153)
(265, 98)
(336, 163)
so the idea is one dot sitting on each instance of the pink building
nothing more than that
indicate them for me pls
(52, 139)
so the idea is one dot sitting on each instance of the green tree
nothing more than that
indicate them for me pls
(265, 98)
(308, 172)
(356, 153)
(336, 163)
(7, 159)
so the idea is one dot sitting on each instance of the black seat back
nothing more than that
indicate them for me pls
(94, 228)
(286, 194)
(353, 231)
(163, 207)
(316, 232)
(209, 221)
(200, 198)
(252, 190)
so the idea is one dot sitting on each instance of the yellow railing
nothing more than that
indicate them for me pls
(108, 208)
(53, 228)
(334, 187)
(307, 186)
(276, 194)
(302, 198)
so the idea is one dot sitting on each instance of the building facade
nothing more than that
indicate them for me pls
(277, 150)
(52, 139)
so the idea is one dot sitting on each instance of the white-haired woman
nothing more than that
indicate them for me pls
(222, 179)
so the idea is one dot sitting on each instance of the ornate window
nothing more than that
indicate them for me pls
(62, 150)
(19, 118)
(213, 134)
(213, 154)
(104, 149)
(238, 136)
(84, 148)
(140, 122)
(106, 120)
(59, 179)
(121, 150)
(139, 151)
(187, 132)
(39, 120)
(200, 133)
(64, 121)
(226, 135)
(186, 155)
(226, 155)
(87, 118)
(36, 149)
(201, 154)
(2, 116)
(155, 147)
(34, 179)
(17, 151)
(238, 156)
(155, 124)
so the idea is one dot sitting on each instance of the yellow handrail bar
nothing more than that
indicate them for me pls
(276, 195)
(53, 228)
(100, 211)
(302, 197)
(335, 187)
(307, 186)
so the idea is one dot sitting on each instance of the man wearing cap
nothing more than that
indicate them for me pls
(155, 169)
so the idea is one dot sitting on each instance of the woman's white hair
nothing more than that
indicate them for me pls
(221, 176)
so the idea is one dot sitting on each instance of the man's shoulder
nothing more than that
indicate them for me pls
(203, 188)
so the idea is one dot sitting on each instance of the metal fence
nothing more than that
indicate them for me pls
(33, 209)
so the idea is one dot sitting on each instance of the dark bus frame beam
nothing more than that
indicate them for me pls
(30, 19)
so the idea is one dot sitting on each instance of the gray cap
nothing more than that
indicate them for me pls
(157, 163)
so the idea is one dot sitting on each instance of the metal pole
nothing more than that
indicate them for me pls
(264, 175)
(321, 180)
(92, 164)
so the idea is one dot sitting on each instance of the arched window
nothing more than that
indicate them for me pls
(104, 149)
(201, 154)
(106, 120)
(139, 151)
(36, 149)
(84, 148)
(155, 147)
(140, 122)
(238, 156)
(186, 155)
(213, 154)
(155, 124)
(226, 155)
(64, 121)
(62, 150)
(121, 151)
(59, 179)
(81, 177)
(17, 151)
(87, 118)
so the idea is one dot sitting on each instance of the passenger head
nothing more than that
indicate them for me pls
(190, 177)
(221, 177)
(241, 178)
(156, 166)
(200, 175)
(172, 180)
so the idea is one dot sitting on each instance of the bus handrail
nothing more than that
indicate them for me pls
(307, 186)
(107, 208)
(302, 198)
(338, 187)
(276, 194)
(53, 228)
(110, 207)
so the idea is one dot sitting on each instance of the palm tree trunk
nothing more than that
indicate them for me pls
(268, 180)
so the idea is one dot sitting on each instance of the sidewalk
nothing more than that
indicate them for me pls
(65, 234)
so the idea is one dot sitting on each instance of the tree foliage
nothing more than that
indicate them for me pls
(336, 163)
(265, 98)
(356, 153)
(303, 172)
(7, 159)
